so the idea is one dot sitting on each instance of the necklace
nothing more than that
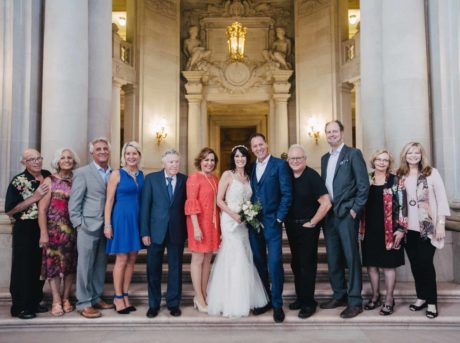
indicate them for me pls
(412, 202)
(132, 174)
(214, 190)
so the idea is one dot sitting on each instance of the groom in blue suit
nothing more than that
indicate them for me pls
(163, 226)
(272, 186)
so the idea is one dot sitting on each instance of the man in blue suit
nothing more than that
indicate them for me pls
(344, 172)
(272, 186)
(163, 226)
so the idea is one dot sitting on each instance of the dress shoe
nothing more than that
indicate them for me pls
(24, 314)
(295, 305)
(261, 310)
(152, 312)
(102, 305)
(41, 309)
(175, 311)
(333, 303)
(278, 315)
(199, 307)
(351, 311)
(414, 307)
(90, 312)
(306, 312)
(131, 308)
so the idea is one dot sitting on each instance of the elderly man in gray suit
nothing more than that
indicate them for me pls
(86, 208)
(344, 171)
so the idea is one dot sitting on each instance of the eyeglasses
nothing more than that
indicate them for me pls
(296, 159)
(34, 160)
(382, 160)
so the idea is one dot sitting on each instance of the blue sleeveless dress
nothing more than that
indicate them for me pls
(125, 215)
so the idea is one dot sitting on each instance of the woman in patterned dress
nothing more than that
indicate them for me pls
(57, 236)
(203, 227)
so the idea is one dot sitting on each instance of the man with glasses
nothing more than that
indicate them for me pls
(310, 204)
(23, 194)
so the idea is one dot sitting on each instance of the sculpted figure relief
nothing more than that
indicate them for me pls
(280, 51)
(194, 49)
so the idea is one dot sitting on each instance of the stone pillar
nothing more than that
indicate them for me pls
(358, 118)
(371, 103)
(195, 129)
(345, 112)
(130, 122)
(405, 74)
(115, 124)
(279, 143)
(65, 78)
(100, 68)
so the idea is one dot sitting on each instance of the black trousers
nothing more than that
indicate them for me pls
(304, 250)
(421, 253)
(26, 288)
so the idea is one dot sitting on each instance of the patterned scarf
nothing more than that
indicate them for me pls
(425, 216)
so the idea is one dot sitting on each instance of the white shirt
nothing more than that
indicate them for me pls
(103, 173)
(260, 167)
(331, 165)
(173, 182)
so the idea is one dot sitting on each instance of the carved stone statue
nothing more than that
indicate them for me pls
(280, 50)
(194, 50)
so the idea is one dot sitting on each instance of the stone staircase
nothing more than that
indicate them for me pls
(449, 306)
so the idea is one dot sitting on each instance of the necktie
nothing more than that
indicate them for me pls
(170, 188)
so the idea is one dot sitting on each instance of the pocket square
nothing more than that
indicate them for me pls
(343, 162)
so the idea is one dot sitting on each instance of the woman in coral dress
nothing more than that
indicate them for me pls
(202, 223)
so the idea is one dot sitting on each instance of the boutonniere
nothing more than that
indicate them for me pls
(343, 162)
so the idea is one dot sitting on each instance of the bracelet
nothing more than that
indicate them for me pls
(107, 226)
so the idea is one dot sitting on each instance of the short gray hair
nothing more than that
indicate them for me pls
(169, 152)
(57, 157)
(134, 145)
(96, 140)
(297, 146)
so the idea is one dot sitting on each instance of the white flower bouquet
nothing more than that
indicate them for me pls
(249, 213)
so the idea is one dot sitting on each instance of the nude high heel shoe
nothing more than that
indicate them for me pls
(200, 308)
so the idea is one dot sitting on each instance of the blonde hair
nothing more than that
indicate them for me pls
(379, 152)
(423, 166)
(136, 146)
(58, 155)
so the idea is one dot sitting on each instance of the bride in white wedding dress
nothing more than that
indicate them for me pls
(235, 286)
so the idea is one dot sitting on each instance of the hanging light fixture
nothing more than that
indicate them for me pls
(236, 37)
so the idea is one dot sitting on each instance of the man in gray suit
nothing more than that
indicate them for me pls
(86, 209)
(344, 171)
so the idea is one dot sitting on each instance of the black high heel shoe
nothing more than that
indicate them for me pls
(430, 314)
(414, 307)
(386, 310)
(371, 304)
(123, 311)
(129, 308)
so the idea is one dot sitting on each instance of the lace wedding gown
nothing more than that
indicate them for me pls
(235, 286)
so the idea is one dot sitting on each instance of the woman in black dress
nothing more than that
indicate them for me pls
(382, 229)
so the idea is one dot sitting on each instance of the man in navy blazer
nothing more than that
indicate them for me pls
(271, 185)
(163, 226)
(344, 171)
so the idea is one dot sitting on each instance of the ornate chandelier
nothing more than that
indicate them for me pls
(236, 37)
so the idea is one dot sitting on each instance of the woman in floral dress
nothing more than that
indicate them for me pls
(57, 236)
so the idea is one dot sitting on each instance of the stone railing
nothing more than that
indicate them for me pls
(122, 59)
(350, 58)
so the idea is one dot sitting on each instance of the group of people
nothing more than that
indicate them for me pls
(67, 223)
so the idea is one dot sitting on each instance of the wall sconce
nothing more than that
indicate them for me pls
(161, 135)
(122, 21)
(236, 37)
(313, 129)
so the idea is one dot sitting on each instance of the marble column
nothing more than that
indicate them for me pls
(194, 96)
(115, 124)
(371, 103)
(279, 143)
(346, 104)
(405, 74)
(358, 115)
(130, 122)
(65, 78)
(100, 68)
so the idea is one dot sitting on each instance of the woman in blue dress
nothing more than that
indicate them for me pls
(122, 222)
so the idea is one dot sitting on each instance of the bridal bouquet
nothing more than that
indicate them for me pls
(249, 213)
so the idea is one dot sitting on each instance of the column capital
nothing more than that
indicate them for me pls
(117, 82)
(347, 86)
(194, 98)
(129, 88)
(281, 97)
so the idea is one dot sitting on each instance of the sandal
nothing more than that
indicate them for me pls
(386, 310)
(56, 310)
(431, 314)
(129, 308)
(371, 304)
(414, 307)
(67, 306)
